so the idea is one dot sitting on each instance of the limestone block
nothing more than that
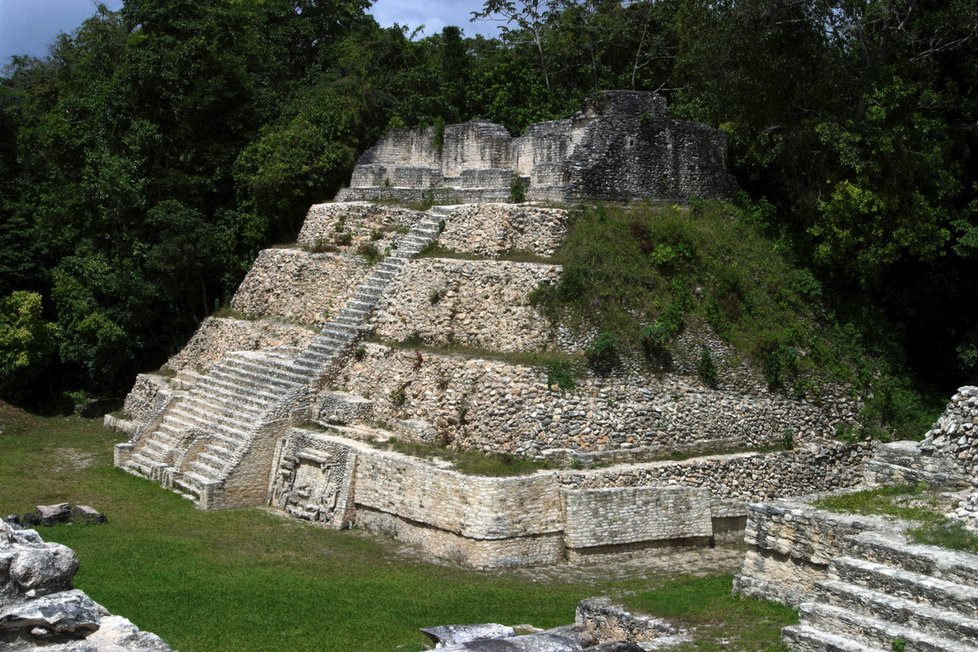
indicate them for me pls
(617, 516)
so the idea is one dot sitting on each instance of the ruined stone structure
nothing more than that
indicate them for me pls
(39, 609)
(624, 145)
(285, 402)
(861, 584)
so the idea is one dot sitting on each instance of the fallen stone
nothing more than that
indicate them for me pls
(117, 632)
(454, 634)
(616, 646)
(53, 514)
(86, 515)
(42, 567)
(545, 642)
(68, 613)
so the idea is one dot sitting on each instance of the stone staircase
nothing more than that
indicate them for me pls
(200, 438)
(885, 594)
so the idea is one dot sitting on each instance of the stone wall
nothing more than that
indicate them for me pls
(598, 518)
(476, 303)
(492, 229)
(501, 407)
(623, 145)
(218, 336)
(740, 478)
(534, 519)
(149, 393)
(955, 436)
(300, 287)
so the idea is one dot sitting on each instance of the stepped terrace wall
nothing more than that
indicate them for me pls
(623, 145)
(218, 336)
(497, 406)
(476, 303)
(298, 286)
(541, 518)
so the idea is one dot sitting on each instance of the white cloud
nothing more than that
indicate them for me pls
(433, 14)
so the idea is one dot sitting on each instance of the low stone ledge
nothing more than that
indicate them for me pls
(608, 622)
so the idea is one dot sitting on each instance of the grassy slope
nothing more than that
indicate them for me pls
(249, 580)
(645, 269)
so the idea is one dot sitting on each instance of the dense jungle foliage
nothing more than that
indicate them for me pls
(154, 151)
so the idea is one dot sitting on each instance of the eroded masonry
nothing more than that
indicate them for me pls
(624, 145)
(352, 340)
(862, 582)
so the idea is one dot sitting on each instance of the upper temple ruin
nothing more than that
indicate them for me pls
(624, 145)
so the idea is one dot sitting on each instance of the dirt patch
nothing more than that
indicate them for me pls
(72, 458)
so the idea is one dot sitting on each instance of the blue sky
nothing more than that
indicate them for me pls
(28, 26)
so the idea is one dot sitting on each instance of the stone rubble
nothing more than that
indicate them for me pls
(599, 626)
(39, 609)
(955, 436)
(61, 513)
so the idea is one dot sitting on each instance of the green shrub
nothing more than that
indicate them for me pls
(398, 397)
(517, 190)
(603, 352)
(321, 246)
(571, 285)
(705, 368)
(360, 353)
(438, 138)
(369, 251)
(436, 295)
(344, 238)
(563, 375)
(779, 363)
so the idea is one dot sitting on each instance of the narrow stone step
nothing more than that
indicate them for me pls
(148, 455)
(873, 631)
(283, 377)
(213, 405)
(250, 383)
(900, 611)
(804, 638)
(216, 461)
(940, 563)
(232, 428)
(219, 451)
(254, 402)
(204, 468)
(906, 584)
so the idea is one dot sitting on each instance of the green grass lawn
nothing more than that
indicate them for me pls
(250, 580)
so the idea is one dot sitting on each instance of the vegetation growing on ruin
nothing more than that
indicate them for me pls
(706, 605)
(171, 568)
(915, 503)
(639, 275)
(467, 461)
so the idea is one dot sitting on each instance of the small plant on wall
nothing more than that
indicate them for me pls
(705, 369)
(602, 353)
